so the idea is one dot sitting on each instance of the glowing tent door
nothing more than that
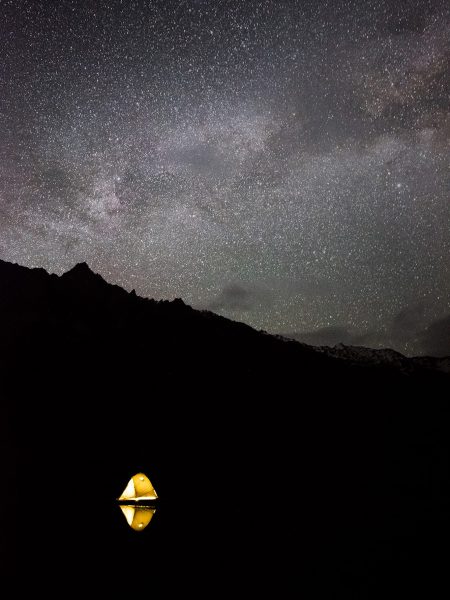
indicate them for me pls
(139, 488)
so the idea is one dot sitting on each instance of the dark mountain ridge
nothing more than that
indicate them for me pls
(355, 454)
(81, 293)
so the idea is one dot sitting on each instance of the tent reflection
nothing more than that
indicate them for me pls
(138, 517)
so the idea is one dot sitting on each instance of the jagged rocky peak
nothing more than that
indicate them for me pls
(82, 277)
(82, 272)
(79, 268)
(178, 302)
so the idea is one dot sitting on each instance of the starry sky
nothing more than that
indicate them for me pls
(282, 163)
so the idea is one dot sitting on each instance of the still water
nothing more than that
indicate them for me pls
(191, 544)
(165, 550)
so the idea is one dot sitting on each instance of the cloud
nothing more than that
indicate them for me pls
(233, 297)
(409, 332)
(240, 298)
(406, 325)
(435, 339)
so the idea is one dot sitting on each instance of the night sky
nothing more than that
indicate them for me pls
(282, 163)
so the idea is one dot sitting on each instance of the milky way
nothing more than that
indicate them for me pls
(282, 163)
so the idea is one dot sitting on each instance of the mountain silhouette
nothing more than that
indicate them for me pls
(353, 453)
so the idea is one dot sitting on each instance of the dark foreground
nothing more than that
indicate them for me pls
(279, 470)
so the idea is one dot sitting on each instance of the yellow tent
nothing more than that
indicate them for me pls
(139, 488)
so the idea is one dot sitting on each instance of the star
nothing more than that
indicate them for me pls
(284, 163)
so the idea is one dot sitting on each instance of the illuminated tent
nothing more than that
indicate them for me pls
(138, 517)
(139, 488)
